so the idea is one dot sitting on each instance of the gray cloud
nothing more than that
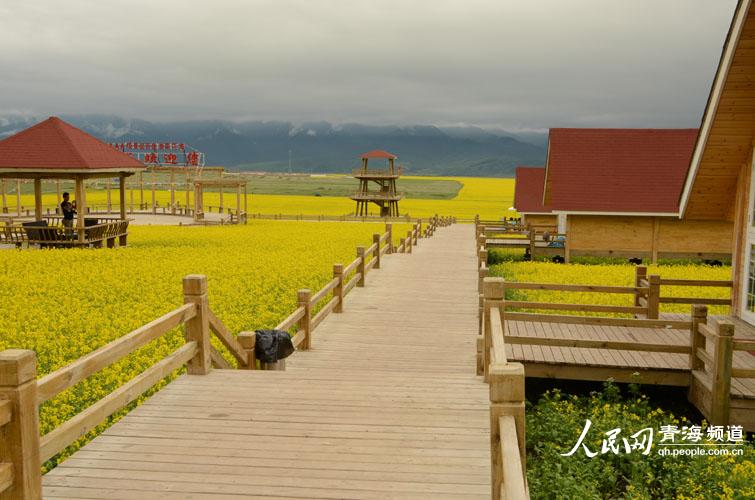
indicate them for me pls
(525, 64)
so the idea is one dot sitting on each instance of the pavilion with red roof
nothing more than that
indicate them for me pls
(616, 192)
(54, 149)
(386, 197)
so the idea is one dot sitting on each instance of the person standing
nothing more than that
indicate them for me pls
(68, 209)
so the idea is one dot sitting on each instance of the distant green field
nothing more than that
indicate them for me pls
(292, 185)
(341, 185)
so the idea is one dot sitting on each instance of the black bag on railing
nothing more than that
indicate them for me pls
(272, 345)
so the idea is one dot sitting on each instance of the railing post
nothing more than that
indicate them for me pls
(506, 398)
(482, 257)
(697, 339)
(654, 296)
(19, 437)
(419, 228)
(304, 296)
(722, 361)
(640, 274)
(338, 290)
(360, 266)
(532, 235)
(198, 327)
(402, 244)
(408, 240)
(376, 242)
(492, 289)
(247, 340)
(389, 230)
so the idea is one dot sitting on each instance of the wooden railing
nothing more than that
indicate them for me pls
(22, 451)
(533, 240)
(506, 380)
(655, 297)
(714, 368)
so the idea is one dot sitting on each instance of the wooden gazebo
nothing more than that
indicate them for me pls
(54, 149)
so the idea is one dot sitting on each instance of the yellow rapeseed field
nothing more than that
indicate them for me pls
(488, 197)
(615, 275)
(65, 303)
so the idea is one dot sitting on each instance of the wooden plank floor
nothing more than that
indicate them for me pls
(385, 406)
(644, 363)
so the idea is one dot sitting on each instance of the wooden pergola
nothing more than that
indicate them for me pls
(238, 183)
(54, 149)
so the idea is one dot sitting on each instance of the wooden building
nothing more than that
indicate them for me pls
(528, 198)
(720, 184)
(386, 197)
(615, 192)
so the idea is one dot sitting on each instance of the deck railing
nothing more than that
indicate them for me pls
(23, 451)
(713, 368)
(506, 380)
(655, 297)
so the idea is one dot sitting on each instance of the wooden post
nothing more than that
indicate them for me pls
(154, 186)
(723, 349)
(483, 257)
(656, 237)
(198, 327)
(482, 274)
(19, 437)
(419, 226)
(172, 191)
(246, 211)
(18, 197)
(492, 289)
(376, 242)
(697, 339)
(248, 341)
(141, 190)
(402, 244)
(338, 290)
(123, 238)
(408, 240)
(109, 198)
(389, 230)
(654, 296)
(304, 297)
(38, 199)
(360, 266)
(532, 236)
(506, 399)
(80, 208)
(131, 198)
(5, 197)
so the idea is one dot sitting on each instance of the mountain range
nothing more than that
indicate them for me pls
(320, 147)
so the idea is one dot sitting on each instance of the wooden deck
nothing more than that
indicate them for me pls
(651, 367)
(385, 405)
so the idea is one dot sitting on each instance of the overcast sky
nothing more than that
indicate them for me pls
(517, 64)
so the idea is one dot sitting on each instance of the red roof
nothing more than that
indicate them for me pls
(617, 170)
(528, 190)
(379, 153)
(56, 145)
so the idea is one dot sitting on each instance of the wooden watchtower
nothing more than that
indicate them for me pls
(386, 197)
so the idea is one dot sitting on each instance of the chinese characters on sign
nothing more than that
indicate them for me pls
(162, 153)
(670, 435)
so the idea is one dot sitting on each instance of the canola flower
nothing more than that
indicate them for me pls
(614, 275)
(64, 304)
(488, 197)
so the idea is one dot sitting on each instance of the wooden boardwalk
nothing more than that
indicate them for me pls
(385, 405)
